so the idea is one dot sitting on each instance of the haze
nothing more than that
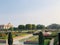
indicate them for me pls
(29, 12)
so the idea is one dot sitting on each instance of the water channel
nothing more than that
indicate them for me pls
(20, 42)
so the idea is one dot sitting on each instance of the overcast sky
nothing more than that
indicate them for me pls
(29, 12)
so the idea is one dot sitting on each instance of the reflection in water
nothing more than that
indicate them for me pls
(2, 43)
(18, 43)
(22, 43)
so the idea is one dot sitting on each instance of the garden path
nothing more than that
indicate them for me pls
(52, 41)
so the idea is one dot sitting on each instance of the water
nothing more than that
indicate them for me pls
(2, 43)
(18, 43)
(27, 44)
(22, 43)
(30, 44)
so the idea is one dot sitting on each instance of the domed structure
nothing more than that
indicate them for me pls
(7, 26)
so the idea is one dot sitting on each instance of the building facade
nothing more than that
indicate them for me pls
(7, 26)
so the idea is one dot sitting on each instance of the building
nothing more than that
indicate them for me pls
(7, 26)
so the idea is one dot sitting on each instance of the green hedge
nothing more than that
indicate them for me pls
(46, 41)
(55, 40)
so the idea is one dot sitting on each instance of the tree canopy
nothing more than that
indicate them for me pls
(53, 26)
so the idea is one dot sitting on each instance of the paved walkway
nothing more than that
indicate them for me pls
(52, 41)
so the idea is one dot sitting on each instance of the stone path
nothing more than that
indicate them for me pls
(52, 41)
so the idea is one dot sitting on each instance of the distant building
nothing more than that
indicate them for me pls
(7, 26)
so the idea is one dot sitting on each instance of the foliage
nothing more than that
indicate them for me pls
(54, 34)
(15, 28)
(46, 41)
(21, 27)
(33, 26)
(11, 28)
(41, 38)
(33, 38)
(3, 36)
(28, 26)
(55, 40)
(40, 26)
(10, 39)
(53, 26)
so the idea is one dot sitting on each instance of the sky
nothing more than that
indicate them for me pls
(24, 12)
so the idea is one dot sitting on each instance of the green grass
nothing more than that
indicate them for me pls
(46, 41)
(33, 38)
(13, 35)
(54, 34)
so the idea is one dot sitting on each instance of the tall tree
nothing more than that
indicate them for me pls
(22, 27)
(15, 28)
(28, 26)
(53, 26)
(33, 26)
(41, 38)
(10, 39)
(40, 26)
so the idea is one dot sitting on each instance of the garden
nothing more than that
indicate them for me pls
(47, 38)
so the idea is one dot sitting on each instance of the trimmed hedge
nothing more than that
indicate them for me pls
(46, 41)
(55, 40)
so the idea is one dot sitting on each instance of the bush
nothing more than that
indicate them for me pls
(54, 34)
(41, 38)
(55, 40)
(10, 39)
(46, 41)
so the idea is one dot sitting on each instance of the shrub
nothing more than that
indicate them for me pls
(56, 40)
(41, 38)
(10, 39)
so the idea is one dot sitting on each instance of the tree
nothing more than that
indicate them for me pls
(11, 28)
(22, 27)
(15, 28)
(40, 26)
(53, 26)
(41, 38)
(28, 26)
(33, 26)
(10, 39)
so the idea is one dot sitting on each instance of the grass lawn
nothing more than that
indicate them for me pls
(13, 35)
